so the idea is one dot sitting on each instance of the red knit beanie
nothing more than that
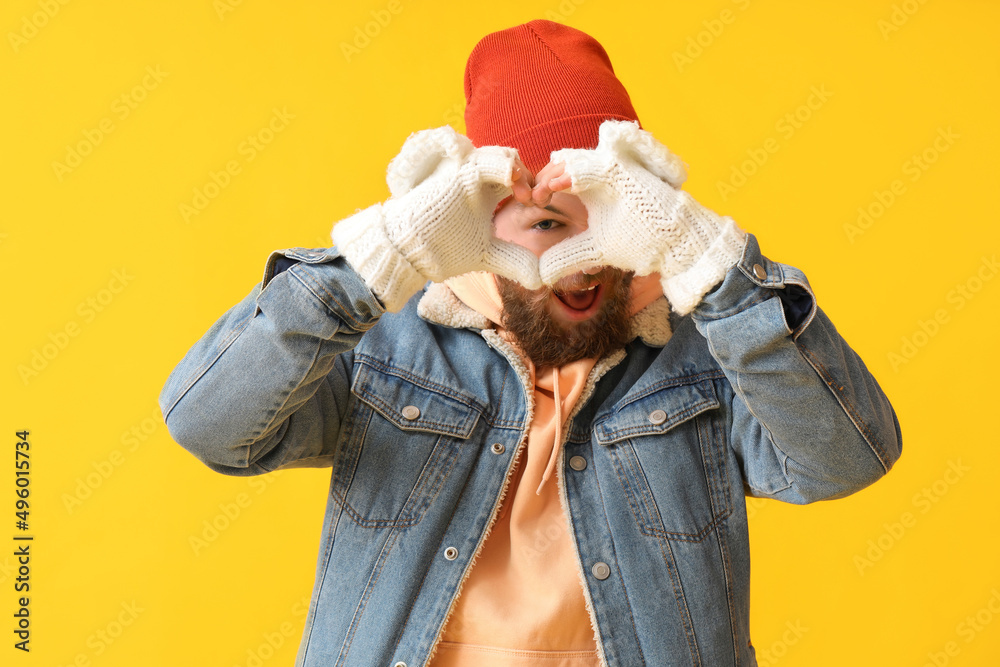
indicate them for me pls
(539, 87)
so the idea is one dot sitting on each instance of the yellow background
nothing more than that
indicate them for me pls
(115, 547)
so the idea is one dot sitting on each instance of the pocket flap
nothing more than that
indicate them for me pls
(411, 406)
(656, 412)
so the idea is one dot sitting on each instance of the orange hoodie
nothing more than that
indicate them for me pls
(522, 603)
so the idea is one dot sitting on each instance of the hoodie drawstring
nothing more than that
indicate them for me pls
(550, 466)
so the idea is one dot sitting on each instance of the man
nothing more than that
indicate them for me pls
(544, 378)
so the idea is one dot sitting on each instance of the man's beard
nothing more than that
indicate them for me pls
(548, 342)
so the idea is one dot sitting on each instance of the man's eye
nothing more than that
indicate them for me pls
(545, 225)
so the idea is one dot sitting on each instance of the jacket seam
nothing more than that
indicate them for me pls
(438, 469)
(417, 380)
(491, 419)
(680, 599)
(767, 293)
(386, 411)
(306, 641)
(680, 381)
(682, 416)
(715, 467)
(195, 375)
(719, 483)
(255, 438)
(413, 598)
(645, 529)
(738, 396)
(640, 501)
(371, 523)
(621, 582)
(340, 497)
(859, 424)
(363, 602)
(302, 277)
(727, 570)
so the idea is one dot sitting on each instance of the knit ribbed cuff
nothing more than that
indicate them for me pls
(493, 164)
(362, 241)
(686, 289)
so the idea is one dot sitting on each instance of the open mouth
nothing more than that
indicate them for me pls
(581, 304)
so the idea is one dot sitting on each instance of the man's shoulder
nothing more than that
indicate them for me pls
(686, 353)
(432, 323)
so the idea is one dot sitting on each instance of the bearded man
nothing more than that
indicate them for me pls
(544, 378)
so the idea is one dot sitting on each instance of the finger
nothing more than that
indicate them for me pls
(550, 170)
(562, 182)
(569, 256)
(521, 171)
(512, 261)
(541, 194)
(521, 183)
(550, 174)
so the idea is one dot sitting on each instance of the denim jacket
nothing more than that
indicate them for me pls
(419, 415)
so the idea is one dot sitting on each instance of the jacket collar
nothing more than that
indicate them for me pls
(440, 305)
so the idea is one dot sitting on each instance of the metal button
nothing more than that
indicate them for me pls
(400, 664)
(601, 570)
(657, 417)
(759, 271)
(451, 553)
(411, 412)
(578, 463)
(497, 448)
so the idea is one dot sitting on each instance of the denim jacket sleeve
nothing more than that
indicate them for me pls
(809, 420)
(266, 387)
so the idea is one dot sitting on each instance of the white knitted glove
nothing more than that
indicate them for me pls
(639, 219)
(438, 222)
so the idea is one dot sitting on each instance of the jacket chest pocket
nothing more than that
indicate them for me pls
(667, 450)
(398, 446)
